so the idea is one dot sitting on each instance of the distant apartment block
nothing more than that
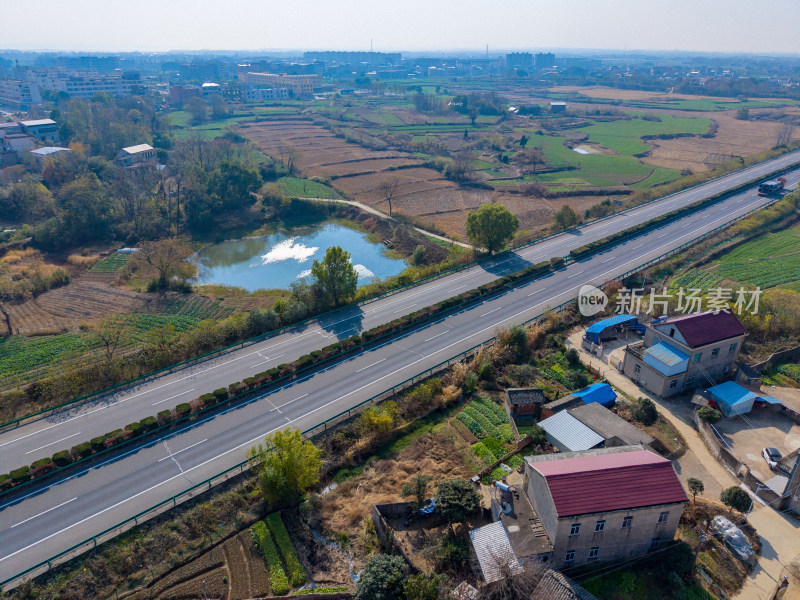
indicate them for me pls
(519, 59)
(178, 94)
(19, 94)
(298, 85)
(263, 94)
(44, 130)
(545, 60)
(77, 86)
(209, 89)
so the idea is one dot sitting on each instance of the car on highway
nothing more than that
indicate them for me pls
(772, 456)
(734, 539)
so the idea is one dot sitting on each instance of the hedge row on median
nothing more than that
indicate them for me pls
(597, 246)
(181, 411)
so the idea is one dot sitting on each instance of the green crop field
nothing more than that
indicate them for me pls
(305, 188)
(198, 307)
(769, 260)
(111, 263)
(625, 136)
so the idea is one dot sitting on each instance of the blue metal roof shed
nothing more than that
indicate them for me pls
(666, 359)
(597, 392)
(732, 398)
(593, 331)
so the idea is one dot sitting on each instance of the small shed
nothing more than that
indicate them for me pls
(602, 393)
(568, 434)
(557, 107)
(732, 398)
(666, 359)
(525, 402)
(494, 551)
(607, 329)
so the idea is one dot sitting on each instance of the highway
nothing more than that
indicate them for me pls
(68, 427)
(56, 517)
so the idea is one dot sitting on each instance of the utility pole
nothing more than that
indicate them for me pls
(697, 550)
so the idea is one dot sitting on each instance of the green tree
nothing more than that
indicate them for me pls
(644, 411)
(491, 226)
(419, 490)
(538, 436)
(425, 586)
(335, 276)
(695, 487)
(198, 108)
(743, 114)
(564, 218)
(456, 499)
(234, 183)
(286, 464)
(736, 498)
(382, 579)
(709, 415)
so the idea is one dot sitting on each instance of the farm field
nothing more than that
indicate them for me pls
(297, 187)
(770, 260)
(24, 359)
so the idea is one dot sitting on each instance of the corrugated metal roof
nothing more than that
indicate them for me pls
(137, 149)
(49, 150)
(666, 354)
(557, 586)
(601, 393)
(769, 399)
(609, 322)
(609, 480)
(37, 122)
(732, 393)
(493, 549)
(569, 433)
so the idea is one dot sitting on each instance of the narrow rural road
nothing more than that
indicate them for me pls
(779, 533)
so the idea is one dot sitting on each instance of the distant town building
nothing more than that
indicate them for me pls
(605, 504)
(545, 60)
(9, 128)
(263, 94)
(178, 94)
(135, 155)
(372, 58)
(19, 94)
(18, 143)
(298, 85)
(557, 107)
(44, 130)
(519, 59)
(209, 89)
(42, 155)
(85, 86)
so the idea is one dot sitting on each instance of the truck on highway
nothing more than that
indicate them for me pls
(769, 188)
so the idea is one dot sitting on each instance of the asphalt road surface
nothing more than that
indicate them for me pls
(58, 516)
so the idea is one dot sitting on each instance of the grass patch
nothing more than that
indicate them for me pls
(111, 263)
(306, 188)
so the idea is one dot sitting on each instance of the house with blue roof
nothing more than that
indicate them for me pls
(682, 353)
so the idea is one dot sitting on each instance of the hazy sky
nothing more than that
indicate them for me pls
(159, 25)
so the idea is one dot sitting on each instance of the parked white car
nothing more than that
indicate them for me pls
(772, 456)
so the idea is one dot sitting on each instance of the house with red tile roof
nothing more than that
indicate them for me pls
(604, 504)
(681, 353)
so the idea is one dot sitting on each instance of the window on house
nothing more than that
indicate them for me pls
(594, 552)
(575, 529)
(569, 556)
(662, 517)
(698, 356)
(654, 544)
(673, 384)
(599, 526)
(715, 353)
(637, 369)
(732, 348)
(672, 332)
(690, 379)
(627, 522)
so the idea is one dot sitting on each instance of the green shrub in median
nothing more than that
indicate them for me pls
(297, 575)
(277, 577)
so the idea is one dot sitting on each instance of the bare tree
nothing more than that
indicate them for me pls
(113, 332)
(388, 187)
(784, 134)
(516, 582)
(289, 157)
(530, 157)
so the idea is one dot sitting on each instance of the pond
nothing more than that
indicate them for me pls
(277, 260)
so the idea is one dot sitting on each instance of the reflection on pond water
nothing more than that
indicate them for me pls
(275, 261)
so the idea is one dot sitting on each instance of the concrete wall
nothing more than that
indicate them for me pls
(789, 355)
(614, 542)
(539, 497)
(650, 379)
